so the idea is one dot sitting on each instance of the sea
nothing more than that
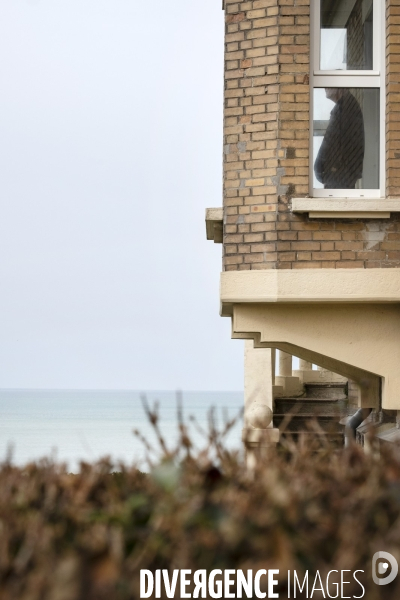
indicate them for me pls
(72, 426)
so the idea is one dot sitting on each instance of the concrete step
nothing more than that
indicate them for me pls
(328, 391)
(336, 440)
(299, 423)
(313, 407)
(325, 402)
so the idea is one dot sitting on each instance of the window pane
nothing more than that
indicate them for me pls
(346, 35)
(346, 138)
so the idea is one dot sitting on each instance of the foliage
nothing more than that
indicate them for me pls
(86, 536)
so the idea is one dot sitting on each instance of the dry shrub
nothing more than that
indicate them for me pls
(86, 536)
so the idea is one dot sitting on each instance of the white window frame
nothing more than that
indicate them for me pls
(350, 79)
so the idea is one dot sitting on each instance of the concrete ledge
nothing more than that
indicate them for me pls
(346, 208)
(309, 285)
(260, 437)
(214, 224)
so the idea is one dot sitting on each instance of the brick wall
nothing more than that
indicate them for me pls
(266, 148)
(393, 98)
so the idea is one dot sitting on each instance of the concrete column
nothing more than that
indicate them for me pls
(305, 372)
(258, 398)
(291, 384)
(304, 365)
(285, 364)
(277, 390)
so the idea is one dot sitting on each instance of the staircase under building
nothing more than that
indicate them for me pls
(316, 413)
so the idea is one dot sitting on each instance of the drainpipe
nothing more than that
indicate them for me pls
(354, 422)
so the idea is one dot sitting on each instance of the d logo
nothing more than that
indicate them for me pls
(383, 568)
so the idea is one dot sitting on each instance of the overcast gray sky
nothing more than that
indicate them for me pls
(110, 151)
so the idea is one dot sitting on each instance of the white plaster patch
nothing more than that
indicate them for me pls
(375, 234)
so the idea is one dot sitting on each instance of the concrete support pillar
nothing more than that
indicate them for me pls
(304, 365)
(285, 364)
(277, 390)
(305, 371)
(291, 384)
(354, 394)
(258, 398)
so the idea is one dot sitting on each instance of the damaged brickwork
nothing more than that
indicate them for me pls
(266, 147)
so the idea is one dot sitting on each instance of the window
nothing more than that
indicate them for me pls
(347, 99)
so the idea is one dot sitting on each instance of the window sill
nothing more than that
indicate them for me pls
(346, 208)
